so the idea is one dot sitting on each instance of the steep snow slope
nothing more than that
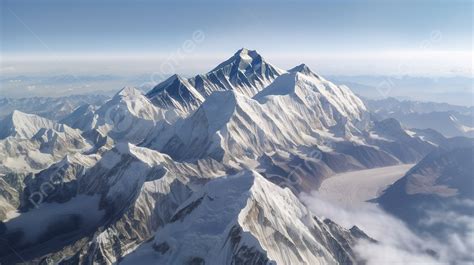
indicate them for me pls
(23, 125)
(132, 166)
(176, 93)
(302, 81)
(233, 220)
(226, 121)
(31, 144)
(312, 99)
(81, 117)
(320, 113)
(139, 205)
(57, 183)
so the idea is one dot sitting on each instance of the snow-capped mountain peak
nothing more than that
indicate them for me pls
(310, 88)
(242, 58)
(23, 125)
(246, 72)
(29, 142)
(302, 68)
(172, 82)
(247, 62)
(129, 92)
(132, 101)
(128, 116)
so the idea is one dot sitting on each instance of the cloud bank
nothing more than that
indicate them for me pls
(397, 243)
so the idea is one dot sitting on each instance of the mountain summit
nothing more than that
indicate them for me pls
(246, 72)
(302, 68)
(248, 62)
(23, 125)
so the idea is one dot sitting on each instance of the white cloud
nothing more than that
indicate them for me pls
(397, 244)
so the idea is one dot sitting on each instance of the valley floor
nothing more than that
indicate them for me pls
(352, 189)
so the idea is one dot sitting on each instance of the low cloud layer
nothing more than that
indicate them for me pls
(397, 243)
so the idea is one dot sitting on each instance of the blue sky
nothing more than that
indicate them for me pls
(351, 32)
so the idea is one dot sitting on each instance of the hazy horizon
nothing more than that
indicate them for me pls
(342, 37)
(136, 43)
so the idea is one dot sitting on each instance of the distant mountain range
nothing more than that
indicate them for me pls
(450, 120)
(456, 90)
(51, 108)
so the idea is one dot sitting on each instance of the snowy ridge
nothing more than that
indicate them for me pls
(226, 121)
(243, 132)
(389, 136)
(176, 92)
(64, 174)
(302, 82)
(135, 185)
(23, 125)
(144, 189)
(81, 117)
(235, 221)
(246, 72)
(31, 143)
(132, 167)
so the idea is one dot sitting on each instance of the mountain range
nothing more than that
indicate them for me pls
(201, 170)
